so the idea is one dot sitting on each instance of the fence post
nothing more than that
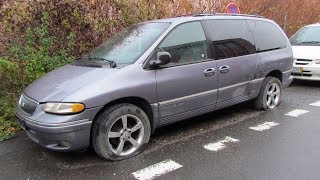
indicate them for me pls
(285, 22)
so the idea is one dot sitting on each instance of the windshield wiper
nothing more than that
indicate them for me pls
(113, 64)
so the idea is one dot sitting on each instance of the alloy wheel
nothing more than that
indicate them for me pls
(273, 95)
(125, 135)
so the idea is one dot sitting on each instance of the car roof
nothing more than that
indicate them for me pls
(313, 25)
(186, 18)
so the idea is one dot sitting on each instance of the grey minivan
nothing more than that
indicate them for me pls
(153, 74)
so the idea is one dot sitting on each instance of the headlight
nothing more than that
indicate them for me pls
(317, 61)
(63, 108)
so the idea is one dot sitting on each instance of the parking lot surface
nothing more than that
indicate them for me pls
(235, 143)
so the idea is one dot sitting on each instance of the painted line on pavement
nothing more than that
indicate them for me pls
(296, 113)
(156, 170)
(264, 126)
(315, 104)
(220, 144)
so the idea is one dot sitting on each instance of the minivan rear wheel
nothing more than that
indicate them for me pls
(270, 94)
(120, 132)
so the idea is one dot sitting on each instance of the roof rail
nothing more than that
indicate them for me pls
(184, 15)
(204, 14)
(226, 14)
(246, 15)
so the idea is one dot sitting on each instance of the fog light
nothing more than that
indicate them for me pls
(65, 143)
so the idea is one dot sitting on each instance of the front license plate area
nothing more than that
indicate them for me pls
(298, 69)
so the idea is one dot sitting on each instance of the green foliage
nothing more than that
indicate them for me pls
(36, 54)
(8, 125)
(28, 62)
(8, 74)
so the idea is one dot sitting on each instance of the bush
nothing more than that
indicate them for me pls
(8, 124)
(28, 62)
(36, 57)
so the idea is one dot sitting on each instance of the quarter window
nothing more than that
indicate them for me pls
(268, 37)
(186, 44)
(231, 38)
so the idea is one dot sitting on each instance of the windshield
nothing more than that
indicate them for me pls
(307, 36)
(128, 45)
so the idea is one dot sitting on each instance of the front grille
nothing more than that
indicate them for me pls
(303, 61)
(27, 105)
(299, 74)
(307, 60)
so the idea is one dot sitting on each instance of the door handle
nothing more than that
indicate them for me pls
(209, 72)
(224, 69)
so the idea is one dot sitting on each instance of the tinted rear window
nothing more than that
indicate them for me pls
(268, 36)
(231, 38)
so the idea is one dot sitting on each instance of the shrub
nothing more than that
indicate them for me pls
(36, 57)
(28, 62)
(8, 124)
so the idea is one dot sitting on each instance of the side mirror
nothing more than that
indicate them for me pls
(163, 58)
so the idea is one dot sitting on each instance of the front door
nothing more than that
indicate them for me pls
(187, 86)
(235, 52)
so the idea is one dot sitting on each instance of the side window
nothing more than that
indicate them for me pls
(231, 38)
(186, 44)
(268, 37)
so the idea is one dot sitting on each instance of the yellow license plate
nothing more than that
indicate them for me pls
(298, 69)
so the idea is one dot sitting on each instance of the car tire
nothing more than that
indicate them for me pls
(271, 91)
(121, 132)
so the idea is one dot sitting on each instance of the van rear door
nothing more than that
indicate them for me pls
(234, 50)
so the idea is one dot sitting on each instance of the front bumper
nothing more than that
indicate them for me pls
(67, 135)
(309, 72)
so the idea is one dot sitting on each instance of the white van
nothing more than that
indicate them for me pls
(306, 53)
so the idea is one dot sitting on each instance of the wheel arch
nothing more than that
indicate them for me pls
(276, 74)
(137, 101)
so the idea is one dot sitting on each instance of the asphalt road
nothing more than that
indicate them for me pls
(286, 147)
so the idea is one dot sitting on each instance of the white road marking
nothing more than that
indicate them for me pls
(264, 126)
(315, 104)
(296, 113)
(156, 170)
(220, 144)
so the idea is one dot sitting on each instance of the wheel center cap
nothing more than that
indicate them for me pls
(126, 135)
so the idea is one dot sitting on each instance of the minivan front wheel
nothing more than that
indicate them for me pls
(270, 94)
(120, 132)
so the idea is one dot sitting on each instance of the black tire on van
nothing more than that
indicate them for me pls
(270, 94)
(120, 132)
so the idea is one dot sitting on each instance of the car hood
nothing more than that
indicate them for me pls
(306, 52)
(58, 84)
